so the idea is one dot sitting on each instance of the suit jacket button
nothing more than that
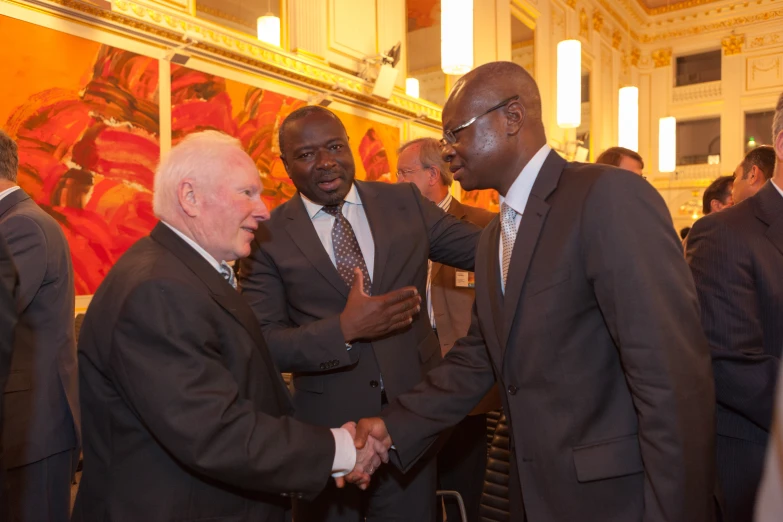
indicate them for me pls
(512, 390)
(336, 363)
(323, 366)
(374, 383)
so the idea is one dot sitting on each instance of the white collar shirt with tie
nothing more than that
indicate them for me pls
(222, 267)
(516, 201)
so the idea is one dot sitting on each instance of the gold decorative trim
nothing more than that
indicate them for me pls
(617, 38)
(715, 26)
(598, 20)
(571, 4)
(662, 57)
(224, 16)
(308, 54)
(766, 40)
(732, 44)
(676, 6)
(584, 24)
(238, 48)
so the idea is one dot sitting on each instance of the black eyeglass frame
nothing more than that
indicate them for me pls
(449, 136)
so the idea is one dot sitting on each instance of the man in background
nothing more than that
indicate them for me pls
(41, 434)
(622, 158)
(753, 172)
(736, 257)
(718, 196)
(186, 415)
(8, 318)
(463, 459)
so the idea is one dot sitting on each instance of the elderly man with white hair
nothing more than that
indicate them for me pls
(185, 414)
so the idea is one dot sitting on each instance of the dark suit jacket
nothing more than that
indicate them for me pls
(297, 296)
(452, 304)
(736, 257)
(8, 320)
(41, 396)
(603, 369)
(184, 411)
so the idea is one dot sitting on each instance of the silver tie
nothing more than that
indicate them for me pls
(228, 274)
(508, 233)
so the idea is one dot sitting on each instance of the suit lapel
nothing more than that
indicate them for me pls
(300, 228)
(492, 273)
(11, 200)
(769, 209)
(224, 295)
(530, 227)
(378, 218)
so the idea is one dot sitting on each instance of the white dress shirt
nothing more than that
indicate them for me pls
(780, 190)
(444, 203)
(353, 210)
(8, 191)
(519, 193)
(345, 451)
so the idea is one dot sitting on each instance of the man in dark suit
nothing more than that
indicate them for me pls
(736, 257)
(586, 313)
(753, 172)
(462, 460)
(185, 413)
(8, 321)
(321, 320)
(41, 430)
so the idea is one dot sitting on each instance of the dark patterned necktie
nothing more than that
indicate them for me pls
(347, 254)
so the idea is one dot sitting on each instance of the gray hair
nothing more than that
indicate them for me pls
(9, 157)
(430, 156)
(777, 122)
(200, 156)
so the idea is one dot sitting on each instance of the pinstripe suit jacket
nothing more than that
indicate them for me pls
(736, 257)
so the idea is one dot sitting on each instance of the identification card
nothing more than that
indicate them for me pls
(464, 279)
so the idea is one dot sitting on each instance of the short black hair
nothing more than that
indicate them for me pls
(762, 157)
(719, 189)
(300, 113)
(684, 232)
(9, 157)
(613, 156)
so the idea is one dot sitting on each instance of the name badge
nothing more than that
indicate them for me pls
(464, 279)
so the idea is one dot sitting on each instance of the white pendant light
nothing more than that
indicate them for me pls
(456, 36)
(628, 119)
(569, 84)
(667, 144)
(268, 27)
(412, 87)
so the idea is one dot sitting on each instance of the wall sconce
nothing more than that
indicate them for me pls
(628, 119)
(456, 36)
(268, 27)
(569, 84)
(412, 87)
(667, 144)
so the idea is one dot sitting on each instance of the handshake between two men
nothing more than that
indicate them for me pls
(368, 317)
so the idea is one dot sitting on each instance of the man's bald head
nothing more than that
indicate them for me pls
(493, 119)
(495, 81)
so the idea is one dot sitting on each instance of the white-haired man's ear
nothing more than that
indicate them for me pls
(186, 193)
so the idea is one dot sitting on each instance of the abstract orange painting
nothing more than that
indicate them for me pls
(85, 118)
(205, 101)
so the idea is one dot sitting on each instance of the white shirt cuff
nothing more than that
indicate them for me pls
(344, 452)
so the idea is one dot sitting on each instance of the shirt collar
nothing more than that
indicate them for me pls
(206, 255)
(445, 203)
(780, 190)
(313, 208)
(8, 191)
(519, 192)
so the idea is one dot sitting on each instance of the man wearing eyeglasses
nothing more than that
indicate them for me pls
(463, 458)
(586, 315)
(334, 278)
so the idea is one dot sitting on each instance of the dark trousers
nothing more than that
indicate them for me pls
(391, 497)
(41, 491)
(462, 462)
(740, 464)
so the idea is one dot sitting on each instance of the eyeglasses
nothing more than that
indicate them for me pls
(402, 174)
(449, 136)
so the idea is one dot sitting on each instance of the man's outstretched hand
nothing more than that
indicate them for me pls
(370, 317)
(368, 459)
(372, 428)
